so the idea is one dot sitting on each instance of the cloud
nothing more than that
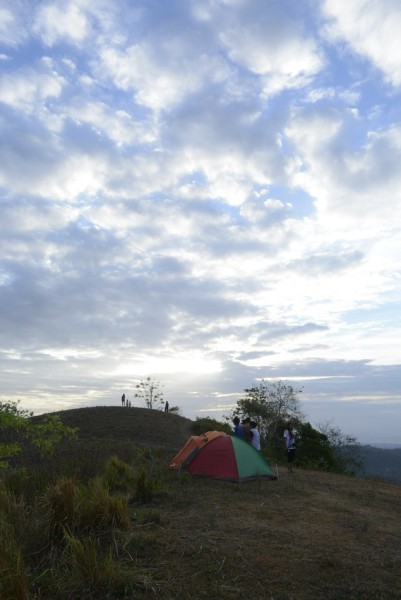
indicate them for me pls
(333, 170)
(28, 88)
(205, 190)
(370, 28)
(270, 42)
(13, 30)
(56, 22)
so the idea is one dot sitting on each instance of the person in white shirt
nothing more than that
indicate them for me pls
(255, 435)
(289, 445)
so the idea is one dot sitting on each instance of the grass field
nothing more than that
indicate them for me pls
(308, 535)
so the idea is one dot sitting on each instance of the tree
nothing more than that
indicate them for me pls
(148, 391)
(18, 431)
(313, 449)
(205, 424)
(270, 404)
(346, 449)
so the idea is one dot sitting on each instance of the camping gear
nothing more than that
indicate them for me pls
(192, 446)
(225, 457)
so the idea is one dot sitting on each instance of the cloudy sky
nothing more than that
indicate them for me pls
(207, 192)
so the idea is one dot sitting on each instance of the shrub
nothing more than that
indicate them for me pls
(100, 510)
(204, 424)
(118, 475)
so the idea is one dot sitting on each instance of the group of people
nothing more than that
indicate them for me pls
(125, 401)
(248, 430)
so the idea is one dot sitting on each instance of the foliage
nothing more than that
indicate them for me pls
(118, 475)
(313, 449)
(149, 393)
(204, 424)
(346, 449)
(13, 424)
(270, 404)
(19, 433)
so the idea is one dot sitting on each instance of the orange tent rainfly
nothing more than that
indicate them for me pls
(222, 457)
(192, 446)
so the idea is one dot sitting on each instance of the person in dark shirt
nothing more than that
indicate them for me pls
(238, 431)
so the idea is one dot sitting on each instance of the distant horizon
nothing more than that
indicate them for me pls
(378, 443)
(382, 445)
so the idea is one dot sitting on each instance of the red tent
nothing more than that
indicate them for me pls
(230, 458)
(192, 446)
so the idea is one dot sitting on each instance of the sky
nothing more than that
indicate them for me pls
(206, 192)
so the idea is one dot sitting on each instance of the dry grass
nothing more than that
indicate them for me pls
(309, 535)
(140, 426)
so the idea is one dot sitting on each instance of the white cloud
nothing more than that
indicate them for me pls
(66, 21)
(26, 90)
(371, 28)
(13, 19)
(270, 43)
(208, 190)
(118, 126)
(346, 181)
(160, 79)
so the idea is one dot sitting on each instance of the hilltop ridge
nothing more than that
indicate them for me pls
(140, 426)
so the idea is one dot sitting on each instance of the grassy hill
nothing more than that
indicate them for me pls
(309, 535)
(137, 425)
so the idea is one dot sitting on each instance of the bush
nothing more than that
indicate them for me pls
(204, 424)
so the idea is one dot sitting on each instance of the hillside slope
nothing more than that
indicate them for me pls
(139, 426)
(309, 535)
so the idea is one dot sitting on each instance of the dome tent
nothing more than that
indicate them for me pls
(229, 458)
(192, 446)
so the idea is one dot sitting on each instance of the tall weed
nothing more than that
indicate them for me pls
(60, 500)
(118, 475)
(88, 564)
(98, 509)
(149, 478)
(13, 581)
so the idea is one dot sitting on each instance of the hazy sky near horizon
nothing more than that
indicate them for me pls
(207, 192)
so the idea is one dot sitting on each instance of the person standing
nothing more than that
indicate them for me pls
(289, 445)
(166, 406)
(123, 400)
(255, 435)
(238, 431)
(246, 428)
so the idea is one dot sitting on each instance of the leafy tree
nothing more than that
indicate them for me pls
(313, 449)
(18, 432)
(148, 391)
(12, 424)
(270, 404)
(346, 449)
(204, 424)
